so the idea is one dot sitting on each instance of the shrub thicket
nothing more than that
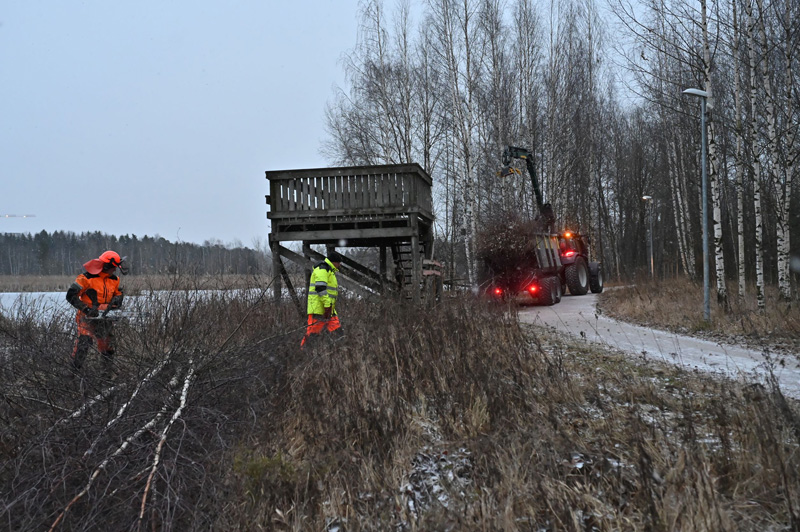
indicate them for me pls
(450, 418)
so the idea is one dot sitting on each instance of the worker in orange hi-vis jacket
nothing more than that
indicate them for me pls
(323, 289)
(94, 291)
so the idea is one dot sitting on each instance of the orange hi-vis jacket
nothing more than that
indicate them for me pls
(94, 290)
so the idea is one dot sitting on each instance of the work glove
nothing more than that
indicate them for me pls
(91, 312)
(328, 313)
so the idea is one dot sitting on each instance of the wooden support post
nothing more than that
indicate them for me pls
(416, 264)
(292, 292)
(428, 239)
(382, 270)
(308, 253)
(276, 270)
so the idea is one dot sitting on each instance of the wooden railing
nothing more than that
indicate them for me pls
(350, 191)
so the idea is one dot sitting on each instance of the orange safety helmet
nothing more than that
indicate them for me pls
(110, 257)
(95, 266)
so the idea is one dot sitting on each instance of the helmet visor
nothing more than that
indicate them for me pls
(123, 266)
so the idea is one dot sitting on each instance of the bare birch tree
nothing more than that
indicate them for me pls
(755, 156)
(713, 160)
(780, 173)
(454, 23)
(480, 74)
(528, 64)
(739, 155)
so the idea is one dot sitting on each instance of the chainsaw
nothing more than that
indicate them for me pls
(111, 314)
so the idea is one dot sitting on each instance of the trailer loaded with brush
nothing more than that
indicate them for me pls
(525, 260)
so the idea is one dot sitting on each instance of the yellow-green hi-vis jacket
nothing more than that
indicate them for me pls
(323, 288)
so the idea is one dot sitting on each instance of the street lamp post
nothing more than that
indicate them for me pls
(703, 95)
(650, 242)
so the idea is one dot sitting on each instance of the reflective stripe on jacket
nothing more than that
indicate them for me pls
(323, 288)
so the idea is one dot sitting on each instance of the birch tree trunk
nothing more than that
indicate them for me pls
(593, 51)
(713, 160)
(528, 59)
(496, 110)
(388, 131)
(739, 157)
(679, 207)
(552, 103)
(456, 54)
(755, 157)
(783, 190)
(778, 183)
(428, 102)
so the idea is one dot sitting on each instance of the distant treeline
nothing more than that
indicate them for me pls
(63, 253)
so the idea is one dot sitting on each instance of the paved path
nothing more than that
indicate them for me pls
(577, 316)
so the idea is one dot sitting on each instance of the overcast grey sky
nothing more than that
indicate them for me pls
(155, 117)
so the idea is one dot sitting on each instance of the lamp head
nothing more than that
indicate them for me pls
(696, 92)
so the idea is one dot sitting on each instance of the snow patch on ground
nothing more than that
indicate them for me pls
(577, 316)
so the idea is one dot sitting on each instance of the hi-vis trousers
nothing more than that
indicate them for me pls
(317, 325)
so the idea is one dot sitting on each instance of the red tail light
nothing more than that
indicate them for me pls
(498, 292)
(569, 253)
(532, 288)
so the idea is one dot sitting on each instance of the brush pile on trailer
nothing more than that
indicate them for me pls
(518, 261)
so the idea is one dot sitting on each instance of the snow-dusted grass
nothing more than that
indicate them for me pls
(451, 418)
(677, 305)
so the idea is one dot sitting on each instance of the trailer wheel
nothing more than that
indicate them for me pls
(596, 277)
(577, 275)
(551, 286)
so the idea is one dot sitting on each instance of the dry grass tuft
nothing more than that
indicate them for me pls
(35, 283)
(453, 418)
(677, 305)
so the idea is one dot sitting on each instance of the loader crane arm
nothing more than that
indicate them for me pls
(513, 152)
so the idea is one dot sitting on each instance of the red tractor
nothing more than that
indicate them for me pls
(580, 274)
(530, 262)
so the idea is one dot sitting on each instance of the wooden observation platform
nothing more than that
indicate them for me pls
(388, 207)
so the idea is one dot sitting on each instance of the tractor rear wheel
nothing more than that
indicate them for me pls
(577, 275)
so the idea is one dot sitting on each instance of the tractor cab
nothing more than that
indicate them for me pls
(572, 245)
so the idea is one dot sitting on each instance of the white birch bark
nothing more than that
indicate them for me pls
(778, 183)
(677, 207)
(469, 126)
(713, 164)
(739, 157)
(756, 157)
(790, 42)
(687, 221)
(456, 51)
